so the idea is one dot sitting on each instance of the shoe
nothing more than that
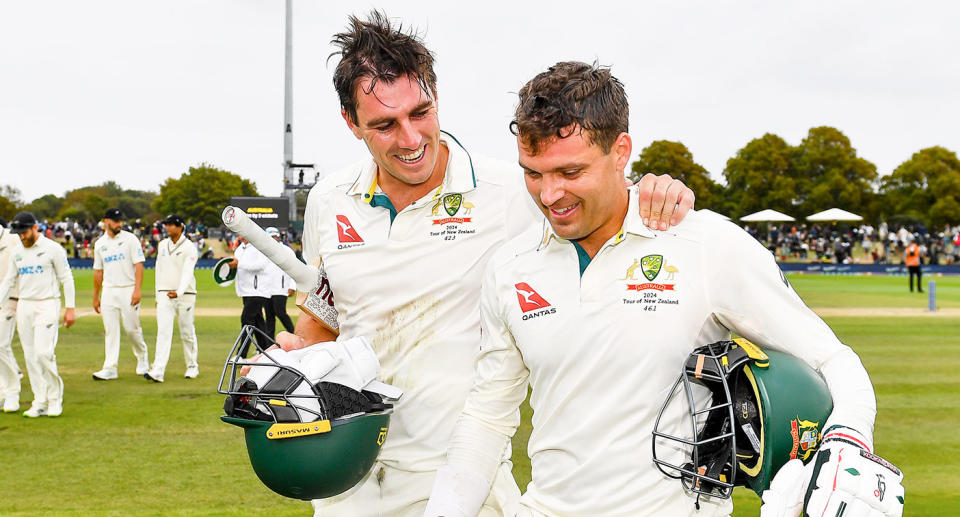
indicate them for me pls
(192, 373)
(149, 377)
(55, 408)
(35, 411)
(143, 367)
(11, 404)
(105, 375)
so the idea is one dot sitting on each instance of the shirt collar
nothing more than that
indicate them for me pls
(459, 176)
(632, 223)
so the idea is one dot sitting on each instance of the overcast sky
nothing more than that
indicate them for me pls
(137, 92)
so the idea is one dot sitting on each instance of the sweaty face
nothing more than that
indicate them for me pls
(578, 186)
(398, 122)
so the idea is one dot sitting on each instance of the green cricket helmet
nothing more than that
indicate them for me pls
(747, 413)
(305, 440)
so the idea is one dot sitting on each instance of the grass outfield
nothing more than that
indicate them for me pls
(823, 291)
(130, 447)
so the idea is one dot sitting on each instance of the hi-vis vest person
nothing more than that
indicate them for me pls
(913, 254)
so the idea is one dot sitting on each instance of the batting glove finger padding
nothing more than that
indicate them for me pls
(784, 498)
(850, 481)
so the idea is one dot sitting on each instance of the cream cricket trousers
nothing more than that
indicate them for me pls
(181, 307)
(115, 307)
(38, 323)
(9, 369)
(390, 492)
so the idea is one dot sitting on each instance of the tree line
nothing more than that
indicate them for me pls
(197, 195)
(823, 171)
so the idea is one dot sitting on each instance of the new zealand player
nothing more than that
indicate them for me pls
(38, 267)
(118, 271)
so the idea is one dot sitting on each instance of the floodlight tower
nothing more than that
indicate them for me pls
(296, 176)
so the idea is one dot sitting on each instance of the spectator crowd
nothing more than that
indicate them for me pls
(858, 244)
(77, 237)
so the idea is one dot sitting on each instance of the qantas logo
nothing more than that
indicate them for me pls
(346, 233)
(531, 302)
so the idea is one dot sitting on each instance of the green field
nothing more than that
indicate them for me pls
(131, 447)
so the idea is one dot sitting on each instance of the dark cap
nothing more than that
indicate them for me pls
(173, 219)
(113, 214)
(22, 222)
(3, 222)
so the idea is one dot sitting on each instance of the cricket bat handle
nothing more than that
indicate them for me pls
(238, 221)
(311, 279)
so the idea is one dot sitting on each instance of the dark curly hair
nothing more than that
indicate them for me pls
(571, 96)
(375, 49)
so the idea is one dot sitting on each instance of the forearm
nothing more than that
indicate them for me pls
(854, 402)
(7, 284)
(69, 291)
(65, 277)
(137, 275)
(463, 483)
(97, 283)
(312, 331)
(477, 447)
(186, 274)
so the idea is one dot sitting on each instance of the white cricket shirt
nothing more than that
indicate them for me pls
(253, 272)
(117, 257)
(412, 286)
(601, 350)
(175, 264)
(8, 243)
(37, 271)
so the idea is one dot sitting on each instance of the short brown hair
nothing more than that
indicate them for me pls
(568, 96)
(375, 49)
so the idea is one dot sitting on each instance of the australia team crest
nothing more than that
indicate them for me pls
(452, 203)
(650, 266)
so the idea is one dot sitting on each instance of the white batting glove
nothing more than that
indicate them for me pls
(784, 497)
(843, 480)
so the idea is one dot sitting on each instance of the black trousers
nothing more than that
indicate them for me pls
(915, 270)
(253, 309)
(277, 308)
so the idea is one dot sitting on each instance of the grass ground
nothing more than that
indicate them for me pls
(130, 447)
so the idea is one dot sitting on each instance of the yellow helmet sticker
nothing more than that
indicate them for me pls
(281, 431)
(753, 351)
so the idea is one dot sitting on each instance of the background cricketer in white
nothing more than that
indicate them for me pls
(38, 267)
(118, 269)
(9, 369)
(176, 289)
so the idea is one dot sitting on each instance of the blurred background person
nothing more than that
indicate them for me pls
(251, 285)
(38, 267)
(176, 297)
(9, 369)
(911, 257)
(281, 287)
(118, 269)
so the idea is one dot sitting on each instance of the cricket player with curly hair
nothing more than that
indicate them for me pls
(600, 349)
(404, 236)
